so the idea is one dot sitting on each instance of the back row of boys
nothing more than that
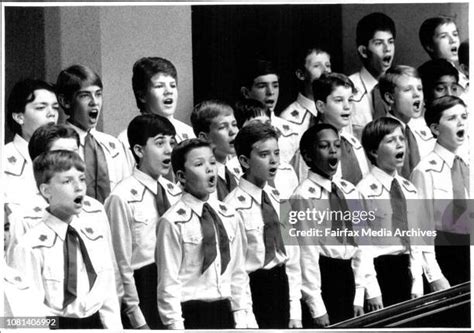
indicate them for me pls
(205, 248)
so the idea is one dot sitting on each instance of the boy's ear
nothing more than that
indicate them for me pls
(141, 97)
(180, 177)
(203, 135)
(362, 49)
(19, 117)
(45, 191)
(388, 98)
(244, 162)
(299, 74)
(320, 106)
(245, 92)
(138, 150)
(435, 129)
(374, 154)
(65, 104)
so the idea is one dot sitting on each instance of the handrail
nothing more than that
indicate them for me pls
(408, 311)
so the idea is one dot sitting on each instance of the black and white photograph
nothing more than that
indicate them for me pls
(236, 165)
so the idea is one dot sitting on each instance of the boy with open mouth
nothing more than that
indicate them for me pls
(155, 86)
(214, 121)
(79, 91)
(394, 260)
(200, 255)
(441, 176)
(402, 90)
(133, 208)
(375, 38)
(67, 254)
(334, 98)
(332, 289)
(274, 269)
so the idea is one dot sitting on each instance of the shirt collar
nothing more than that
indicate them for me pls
(444, 154)
(320, 180)
(196, 205)
(146, 180)
(82, 133)
(58, 225)
(384, 178)
(220, 170)
(307, 103)
(367, 79)
(251, 189)
(22, 146)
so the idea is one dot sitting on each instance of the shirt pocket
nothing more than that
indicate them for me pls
(53, 282)
(192, 246)
(144, 227)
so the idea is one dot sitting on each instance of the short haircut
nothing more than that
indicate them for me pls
(73, 79)
(389, 80)
(300, 60)
(463, 53)
(430, 73)
(143, 71)
(374, 132)
(308, 140)
(182, 149)
(249, 108)
(44, 137)
(325, 85)
(48, 163)
(146, 126)
(254, 68)
(23, 92)
(204, 112)
(251, 134)
(434, 111)
(370, 24)
(428, 28)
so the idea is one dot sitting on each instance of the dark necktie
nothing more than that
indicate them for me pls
(338, 203)
(380, 107)
(412, 156)
(210, 222)
(225, 186)
(349, 163)
(460, 179)
(162, 202)
(399, 210)
(70, 265)
(97, 175)
(271, 230)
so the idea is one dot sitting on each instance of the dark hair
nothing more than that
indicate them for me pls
(143, 71)
(463, 53)
(72, 79)
(249, 108)
(388, 81)
(308, 140)
(255, 68)
(204, 112)
(325, 85)
(146, 126)
(250, 134)
(23, 92)
(374, 132)
(181, 150)
(48, 163)
(44, 137)
(428, 27)
(370, 24)
(430, 73)
(434, 110)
